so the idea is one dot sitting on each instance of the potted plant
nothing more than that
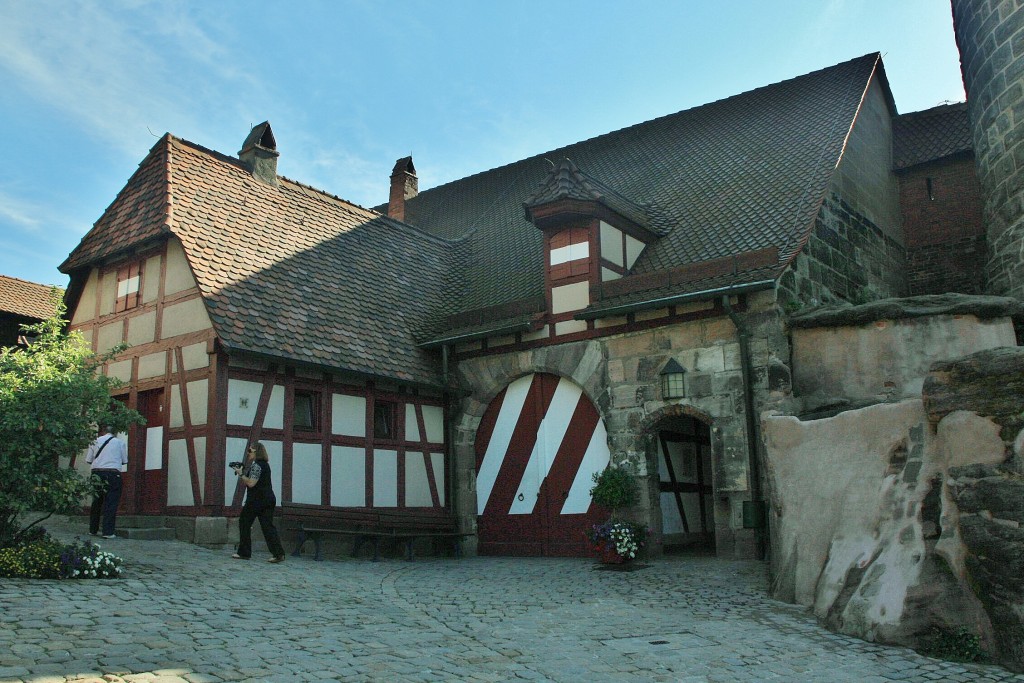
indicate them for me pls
(616, 540)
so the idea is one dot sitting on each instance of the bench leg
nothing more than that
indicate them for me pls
(302, 539)
(376, 549)
(316, 545)
(408, 549)
(458, 548)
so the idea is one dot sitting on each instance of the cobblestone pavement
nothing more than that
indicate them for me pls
(184, 613)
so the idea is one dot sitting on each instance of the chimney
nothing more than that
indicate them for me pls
(259, 153)
(404, 185)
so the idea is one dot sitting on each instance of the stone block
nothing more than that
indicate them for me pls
(211, 531)
(709, 359)
(717, 330)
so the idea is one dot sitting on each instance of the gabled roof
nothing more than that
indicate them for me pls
(930, 135)
(289, 271)
(739, 175)
(27, 299)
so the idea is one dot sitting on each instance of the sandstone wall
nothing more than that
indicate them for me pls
(620, 375)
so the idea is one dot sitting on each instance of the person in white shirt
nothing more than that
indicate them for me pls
(106, 455)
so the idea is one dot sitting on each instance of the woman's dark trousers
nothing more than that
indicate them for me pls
(266, 517)
(105, 503)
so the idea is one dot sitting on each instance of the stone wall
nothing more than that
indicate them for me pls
(847, 258)
(990, 35)
(620, 375)
(882, 351)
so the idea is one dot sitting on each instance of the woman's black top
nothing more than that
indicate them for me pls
(261, 494)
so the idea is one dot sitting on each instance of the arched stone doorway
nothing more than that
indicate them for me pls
(538, 444)
(681, 453)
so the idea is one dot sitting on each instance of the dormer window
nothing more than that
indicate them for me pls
(129, 285)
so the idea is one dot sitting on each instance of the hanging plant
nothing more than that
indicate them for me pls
(614, 487)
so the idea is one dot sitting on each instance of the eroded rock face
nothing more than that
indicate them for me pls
(896, 519)
(864, 529)
(990, 499)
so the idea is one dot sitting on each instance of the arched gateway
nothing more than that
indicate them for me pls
(537, 447)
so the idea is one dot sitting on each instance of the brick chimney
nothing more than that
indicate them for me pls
(404, 185)
(259, 153)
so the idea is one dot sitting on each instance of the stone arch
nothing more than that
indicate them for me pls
(486, 377)
(665, 502)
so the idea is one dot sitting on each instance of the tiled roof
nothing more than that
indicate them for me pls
(28, 299)
(737, 175)
(288, 271)
(932, 134)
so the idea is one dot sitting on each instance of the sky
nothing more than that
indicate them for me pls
(349, 86)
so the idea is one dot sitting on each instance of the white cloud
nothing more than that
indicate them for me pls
(117, 70)
(23, 214)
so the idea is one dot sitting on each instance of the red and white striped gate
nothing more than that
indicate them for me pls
(537, 447)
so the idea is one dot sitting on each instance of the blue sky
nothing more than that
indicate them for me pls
(86, 88)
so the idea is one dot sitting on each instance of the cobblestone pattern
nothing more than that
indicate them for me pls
(185, 613)
(990, 35)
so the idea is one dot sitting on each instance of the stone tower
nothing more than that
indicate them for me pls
(990, 36)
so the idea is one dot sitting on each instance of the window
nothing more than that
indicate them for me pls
(129, 284)
(384, 420)
(306, 411)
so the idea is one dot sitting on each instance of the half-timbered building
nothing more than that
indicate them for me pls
(485, 346)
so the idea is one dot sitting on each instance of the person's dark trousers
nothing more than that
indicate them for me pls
(266, 517)
(105, 503)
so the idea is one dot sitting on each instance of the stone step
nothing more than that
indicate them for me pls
(146, 533)
(140, 521)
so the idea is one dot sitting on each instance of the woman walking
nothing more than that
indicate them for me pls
(259, 504)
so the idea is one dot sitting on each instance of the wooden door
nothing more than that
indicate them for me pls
(538, 445)
(684, 468)
(149, 455)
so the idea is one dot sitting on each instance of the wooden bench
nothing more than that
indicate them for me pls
(370, 524)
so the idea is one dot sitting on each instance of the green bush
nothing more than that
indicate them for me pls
(37, 559)
(956, 645)
(614, 487)
(46, 558)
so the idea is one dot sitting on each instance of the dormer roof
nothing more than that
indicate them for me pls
(568, 192)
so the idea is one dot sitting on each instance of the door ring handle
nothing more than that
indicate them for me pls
(522, 497)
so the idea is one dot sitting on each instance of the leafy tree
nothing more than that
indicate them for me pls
(51, 401)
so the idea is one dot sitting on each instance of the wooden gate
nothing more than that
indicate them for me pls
(537, 447)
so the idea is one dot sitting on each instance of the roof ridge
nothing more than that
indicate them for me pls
(934, 111)
(316, 192)
(28, 282)
(874, 55)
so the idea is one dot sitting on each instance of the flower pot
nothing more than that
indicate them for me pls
(611, 556)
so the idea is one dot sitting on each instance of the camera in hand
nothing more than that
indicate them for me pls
(235, 464)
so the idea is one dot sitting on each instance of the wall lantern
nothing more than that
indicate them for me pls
(672, 385)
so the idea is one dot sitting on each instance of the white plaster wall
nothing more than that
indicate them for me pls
(433, 418)
(417, 486)
(151, 279)
(109, 336)
(179, 275)
(306, 472)
(197, 403)
(385, 478)
(887, 358)
(244, 398)
(348, 476)
(348, 415)
(188, 316)
(152, 365)
(86, 308)
(142, 328)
